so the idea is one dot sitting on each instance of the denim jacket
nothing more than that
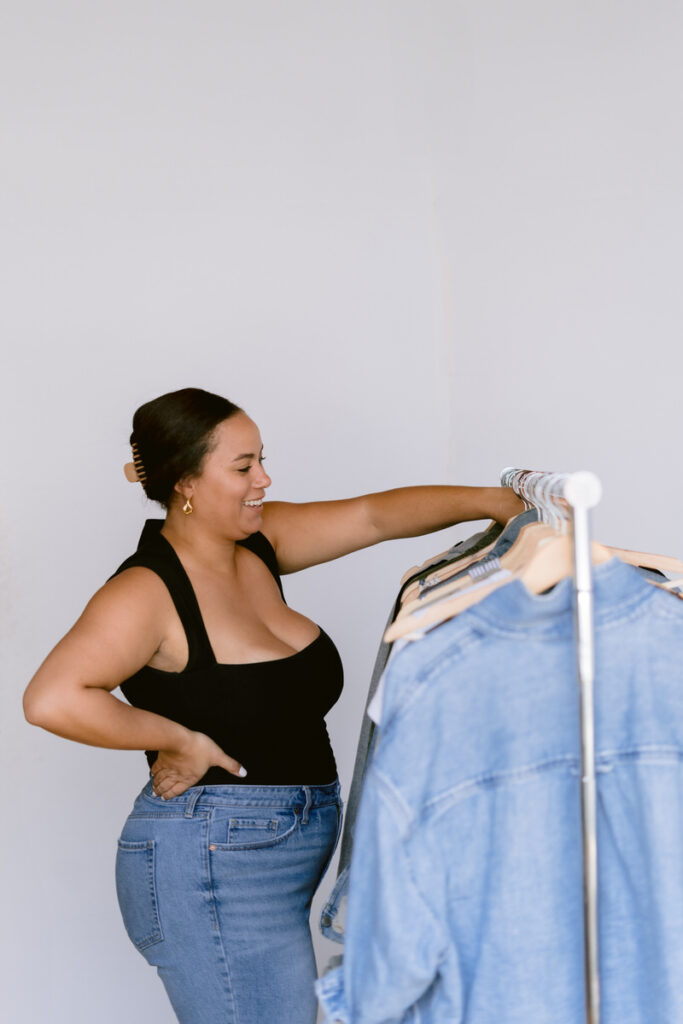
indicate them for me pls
(465, 902)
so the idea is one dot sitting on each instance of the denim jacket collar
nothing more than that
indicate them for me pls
(618, 588)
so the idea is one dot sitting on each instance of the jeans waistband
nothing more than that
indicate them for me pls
(203, 798)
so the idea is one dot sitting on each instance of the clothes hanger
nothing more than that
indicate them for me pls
(442, 573)
(538, 490)
(670, 584)
(452, 566)
(530, 559)
(646, 560)
(547, 560)
(554, 513)
(416, 570)
(516, 552)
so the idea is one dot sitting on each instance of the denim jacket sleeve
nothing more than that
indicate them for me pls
(394, 941)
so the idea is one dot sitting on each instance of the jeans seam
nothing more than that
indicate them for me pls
(488, 780)
(340, 818)
(216, 918)
(148, 847)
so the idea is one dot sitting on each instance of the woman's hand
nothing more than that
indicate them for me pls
(176, 770)
(506, 505)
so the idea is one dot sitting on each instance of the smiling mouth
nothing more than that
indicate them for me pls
(253, 504)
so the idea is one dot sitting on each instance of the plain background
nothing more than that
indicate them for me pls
(417, 241)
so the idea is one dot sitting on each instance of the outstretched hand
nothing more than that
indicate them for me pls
(508, 505)
(174, 771)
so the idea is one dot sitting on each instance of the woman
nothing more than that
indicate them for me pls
(228, 689)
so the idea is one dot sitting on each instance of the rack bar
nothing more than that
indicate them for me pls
(582, 491)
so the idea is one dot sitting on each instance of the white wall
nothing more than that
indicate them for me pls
(416, 241)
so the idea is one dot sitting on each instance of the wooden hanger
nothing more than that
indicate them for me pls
(409, 595)
(548, 560)
(513, 558)
(417, 569)
(538, 553)
(662, 563)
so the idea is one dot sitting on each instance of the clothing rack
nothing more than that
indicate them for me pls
(551, 494)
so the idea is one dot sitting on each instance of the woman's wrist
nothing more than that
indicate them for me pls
(503, 504)
(180, 740)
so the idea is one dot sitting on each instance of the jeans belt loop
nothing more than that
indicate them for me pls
(193, 798)
(307, 805)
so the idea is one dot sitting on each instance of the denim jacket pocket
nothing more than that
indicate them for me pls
(136, 891)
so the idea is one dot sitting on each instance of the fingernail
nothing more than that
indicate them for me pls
(242, 772)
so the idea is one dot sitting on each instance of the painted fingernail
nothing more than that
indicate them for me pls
(242, 772)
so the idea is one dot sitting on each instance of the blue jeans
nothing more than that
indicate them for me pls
(215, 888)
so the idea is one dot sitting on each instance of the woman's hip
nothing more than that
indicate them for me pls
(220, 880)
(252, 849)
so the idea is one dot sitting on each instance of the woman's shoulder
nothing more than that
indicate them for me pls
(133, 585)
(154, 556)
(145, 575)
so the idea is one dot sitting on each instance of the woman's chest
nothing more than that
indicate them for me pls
(243, 617)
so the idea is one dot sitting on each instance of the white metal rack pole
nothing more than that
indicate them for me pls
(582, 492)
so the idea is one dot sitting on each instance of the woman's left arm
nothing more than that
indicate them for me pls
(314, 532)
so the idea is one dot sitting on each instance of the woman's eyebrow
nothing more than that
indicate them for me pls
(247, 455)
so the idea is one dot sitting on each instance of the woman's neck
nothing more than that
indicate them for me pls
(196, 545)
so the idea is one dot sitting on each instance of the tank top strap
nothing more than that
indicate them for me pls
(154, 552)
(259, 544)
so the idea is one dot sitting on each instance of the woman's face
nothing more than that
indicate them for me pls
(229, 491)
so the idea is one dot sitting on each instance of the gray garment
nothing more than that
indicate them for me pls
(460, 550)
(504, 542)
(333, 913)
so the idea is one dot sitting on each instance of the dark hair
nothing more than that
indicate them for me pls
(173, 434)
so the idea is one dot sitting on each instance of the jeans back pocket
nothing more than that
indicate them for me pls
(136, 891)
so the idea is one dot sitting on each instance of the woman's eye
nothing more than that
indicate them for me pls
(246, 469)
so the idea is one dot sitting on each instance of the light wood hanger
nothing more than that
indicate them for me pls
(409, 595)
(416, 569)
(670, 584)
(548, 560)
(646, 560)
(532, 548)
(515, 554)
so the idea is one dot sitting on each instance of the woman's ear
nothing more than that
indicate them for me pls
(184, 488)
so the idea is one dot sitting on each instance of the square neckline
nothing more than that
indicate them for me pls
(204, 636)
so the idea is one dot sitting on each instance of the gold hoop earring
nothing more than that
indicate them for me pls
(187, 508)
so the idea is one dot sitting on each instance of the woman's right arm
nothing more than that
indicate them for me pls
(70, 694)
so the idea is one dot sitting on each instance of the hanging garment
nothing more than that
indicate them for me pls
(333, 913)
(465, 902)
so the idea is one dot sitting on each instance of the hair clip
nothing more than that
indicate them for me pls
(135, 470)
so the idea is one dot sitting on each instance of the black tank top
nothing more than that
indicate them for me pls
(268, 715)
